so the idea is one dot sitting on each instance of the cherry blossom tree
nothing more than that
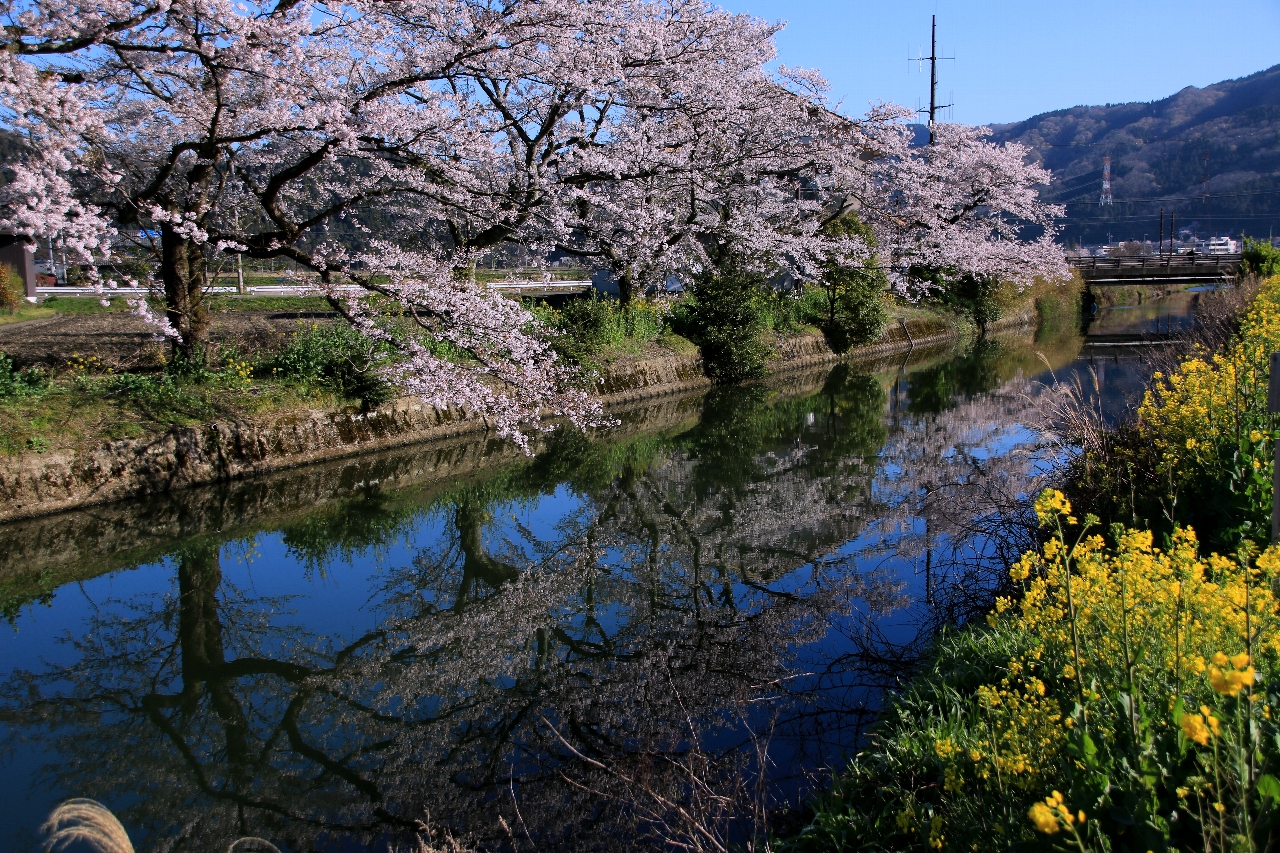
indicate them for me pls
(389, 145)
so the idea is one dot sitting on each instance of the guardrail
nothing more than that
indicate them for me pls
(1153, 262)
(516, 288)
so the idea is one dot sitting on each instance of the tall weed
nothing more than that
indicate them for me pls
(18, 384)
(337, 357)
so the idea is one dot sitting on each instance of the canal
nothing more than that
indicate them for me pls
(527, 652)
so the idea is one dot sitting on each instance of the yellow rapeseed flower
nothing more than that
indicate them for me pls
(1044, 819)
(1194, 728)
(1051, 504)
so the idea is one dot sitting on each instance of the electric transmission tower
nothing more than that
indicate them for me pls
(1106, 182)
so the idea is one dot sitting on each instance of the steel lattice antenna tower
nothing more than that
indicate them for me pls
(1106, 182)
(933, 59)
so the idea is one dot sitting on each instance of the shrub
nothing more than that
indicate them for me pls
(724, 317)
(338, 357)
(1123, 701)
(596, 325)
(783, 311)
(15, 384)
(851, 308)
(1261, 258)
(979, 297)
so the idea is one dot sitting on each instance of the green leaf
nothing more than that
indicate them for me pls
(1268, 787)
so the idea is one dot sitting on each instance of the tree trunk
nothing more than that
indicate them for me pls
(182, 271)
(626, 287)
(202, 652)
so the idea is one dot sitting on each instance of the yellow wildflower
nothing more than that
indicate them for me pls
(1044, 819)
(1230, 682)
(1051, 504)
(1194, 728)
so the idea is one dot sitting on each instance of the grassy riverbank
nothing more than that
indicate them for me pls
(1121, 695)
(277, 355)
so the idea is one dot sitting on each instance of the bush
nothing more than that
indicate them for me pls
(338, 357)
(848, 303)
(784, 311)
(595, 325)
(1261, 258)
(978, 297)
(15, 384)
(724, 316)
(1122, 702)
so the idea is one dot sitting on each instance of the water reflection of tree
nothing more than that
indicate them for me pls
(222, 720)
(940, 387)
(652, 612)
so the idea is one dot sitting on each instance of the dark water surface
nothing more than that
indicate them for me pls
(515, 647)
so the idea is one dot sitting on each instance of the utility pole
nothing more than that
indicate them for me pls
(1160, 251)
(933, 58)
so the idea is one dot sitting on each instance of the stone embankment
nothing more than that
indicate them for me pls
(34, 484)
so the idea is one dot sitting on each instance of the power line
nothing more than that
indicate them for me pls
(1073, 220)
(1179, 197)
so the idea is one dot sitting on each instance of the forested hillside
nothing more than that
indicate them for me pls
(1161, 154)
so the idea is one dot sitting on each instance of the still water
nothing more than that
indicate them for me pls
(514, 648)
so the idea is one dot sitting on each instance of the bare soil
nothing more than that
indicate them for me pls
(122, 341)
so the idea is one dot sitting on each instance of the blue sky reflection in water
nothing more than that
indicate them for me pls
(375, 639)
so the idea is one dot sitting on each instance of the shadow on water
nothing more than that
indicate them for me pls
(530, 652)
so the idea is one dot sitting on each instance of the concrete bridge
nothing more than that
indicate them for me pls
(1156, 269)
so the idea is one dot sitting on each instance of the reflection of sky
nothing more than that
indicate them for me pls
(341, 596)
(1114, 380)
(1117, 376)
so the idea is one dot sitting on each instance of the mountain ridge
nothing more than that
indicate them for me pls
(1162, 152)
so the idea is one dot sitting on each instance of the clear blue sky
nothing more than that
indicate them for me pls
(1016, 59)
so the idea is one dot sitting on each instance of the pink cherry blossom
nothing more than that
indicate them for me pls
(391, 144)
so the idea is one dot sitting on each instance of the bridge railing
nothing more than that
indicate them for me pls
(1154, 262)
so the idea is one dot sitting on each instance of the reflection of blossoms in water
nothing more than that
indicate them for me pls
(673, 603)
(960, 478)
(224, 711)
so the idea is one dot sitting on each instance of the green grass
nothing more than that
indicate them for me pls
(80, 411)
(61, 306)
(219, 303)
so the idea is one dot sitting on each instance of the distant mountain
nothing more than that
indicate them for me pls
(1161, 154)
